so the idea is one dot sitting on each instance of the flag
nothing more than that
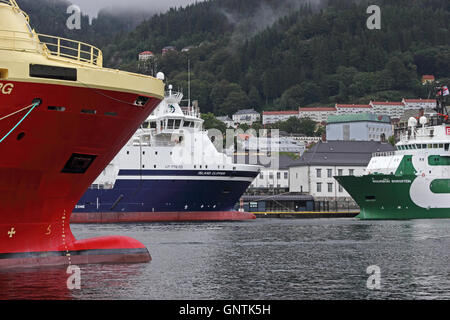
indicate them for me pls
(445, 91)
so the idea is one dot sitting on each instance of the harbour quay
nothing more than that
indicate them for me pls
(298, 206)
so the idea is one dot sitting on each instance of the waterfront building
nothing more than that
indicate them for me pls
(277, 178)
(314, 173)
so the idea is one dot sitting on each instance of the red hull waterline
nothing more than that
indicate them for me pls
(37, 190)
(133, 217)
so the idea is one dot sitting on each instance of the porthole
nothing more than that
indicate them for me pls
(20, 136)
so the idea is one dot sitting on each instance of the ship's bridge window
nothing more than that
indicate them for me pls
(430, 146)
(435, 146)
(171, 124)
(153, 125)
(441, 145)
(145, 125)
(447, 145)
(419, 146)
(177, 124)
(424, 146)
(188, 124)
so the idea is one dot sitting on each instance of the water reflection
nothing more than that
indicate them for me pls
(29, 284)
(51, 283)
(262, 259)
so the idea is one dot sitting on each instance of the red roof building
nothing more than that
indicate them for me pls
(270, 117)
(391, 109)
(427, 78)
(145, 55)
(353, 106)
(419, 101)
(318, 115)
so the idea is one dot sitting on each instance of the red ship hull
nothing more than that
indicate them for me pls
(132, 217)
(39, 182)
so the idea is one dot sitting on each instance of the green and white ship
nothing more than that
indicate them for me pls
(412, 182)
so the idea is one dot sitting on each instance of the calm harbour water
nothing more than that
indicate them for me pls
(265, 259)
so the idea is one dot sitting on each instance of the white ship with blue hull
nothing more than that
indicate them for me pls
(169, 171)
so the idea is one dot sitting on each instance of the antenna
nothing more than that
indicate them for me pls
(189, 83)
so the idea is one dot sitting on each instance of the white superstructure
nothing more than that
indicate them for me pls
(172, 138)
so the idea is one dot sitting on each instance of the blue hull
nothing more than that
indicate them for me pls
(164, 196)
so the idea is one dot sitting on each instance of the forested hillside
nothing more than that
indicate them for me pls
(314, 55)
(282, 54)
(50, 17)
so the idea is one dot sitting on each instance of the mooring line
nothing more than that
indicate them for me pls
(33, 106)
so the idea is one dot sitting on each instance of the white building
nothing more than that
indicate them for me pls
(270, 117)
(317, 114)
(275, 178)
(359, 127)
(227, 120)
(314, 173)
(419, 104)
(307, 140)
(146, 55)
(279, 144)
(247, 116)
(353, 108)
(391, 109)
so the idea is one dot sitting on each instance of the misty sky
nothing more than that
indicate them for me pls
(91, 7)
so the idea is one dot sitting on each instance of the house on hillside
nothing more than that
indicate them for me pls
(270, 117)
(391, 109)
(318, 115)
(247, 116)
(353, 108)
(227, 120)
(428, 78)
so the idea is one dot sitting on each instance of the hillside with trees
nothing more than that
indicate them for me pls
(274, 54)
(50, 17)
(310, 57)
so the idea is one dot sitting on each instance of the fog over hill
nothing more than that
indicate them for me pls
(92, 8)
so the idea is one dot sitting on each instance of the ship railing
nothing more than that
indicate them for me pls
(16, 7)
(52, 47)
(71, 49)
(176, 95)
(383, 154)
